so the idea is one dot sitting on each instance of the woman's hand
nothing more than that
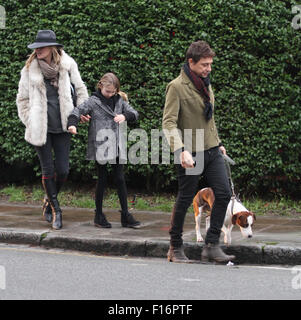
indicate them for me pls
(72, 129)
(119, 118)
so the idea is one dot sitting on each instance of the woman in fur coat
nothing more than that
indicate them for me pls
(44, 102)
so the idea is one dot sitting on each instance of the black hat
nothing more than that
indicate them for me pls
(45, 38)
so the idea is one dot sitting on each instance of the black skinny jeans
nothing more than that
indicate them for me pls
(216, 176)
(57, 166)
(119, 180)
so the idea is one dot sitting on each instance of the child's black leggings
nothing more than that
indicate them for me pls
(102, 172)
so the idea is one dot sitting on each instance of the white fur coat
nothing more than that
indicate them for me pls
(32, 99)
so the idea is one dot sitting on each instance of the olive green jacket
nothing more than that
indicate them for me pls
(184, 109)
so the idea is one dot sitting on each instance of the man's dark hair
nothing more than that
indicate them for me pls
(198, 50)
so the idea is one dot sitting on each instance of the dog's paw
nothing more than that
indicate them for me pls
(199, 239)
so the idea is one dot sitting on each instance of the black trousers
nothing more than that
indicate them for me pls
(102, 172)
(216, 176)
(54, 156)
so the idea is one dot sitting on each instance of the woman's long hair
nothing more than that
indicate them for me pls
(56, 56)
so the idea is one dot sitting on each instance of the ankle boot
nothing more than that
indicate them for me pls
(176, 254)
(47, 211)
(100, 220)
(214, 252)
(50, 188)
(128, 221)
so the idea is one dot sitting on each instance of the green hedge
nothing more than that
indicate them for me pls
(256, 77)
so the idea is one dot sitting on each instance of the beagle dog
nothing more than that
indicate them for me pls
(236, 214)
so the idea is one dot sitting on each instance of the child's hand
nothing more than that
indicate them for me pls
(84, 119)
(119, 118)
(72, 129)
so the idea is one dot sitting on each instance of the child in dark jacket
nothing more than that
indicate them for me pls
(109, 111)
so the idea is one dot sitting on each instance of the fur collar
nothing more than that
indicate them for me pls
(35, 74)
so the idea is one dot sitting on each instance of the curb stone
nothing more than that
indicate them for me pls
(281, 255)
(99, 246)
(252, 254)
(22, 236)
(157, 249)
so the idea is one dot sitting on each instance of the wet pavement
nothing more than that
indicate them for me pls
(276, 240)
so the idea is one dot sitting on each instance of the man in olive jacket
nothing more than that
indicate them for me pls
(189, 105)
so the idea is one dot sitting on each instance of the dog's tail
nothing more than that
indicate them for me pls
(205, 199)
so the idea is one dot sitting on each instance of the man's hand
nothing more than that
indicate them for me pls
(186, 159)
(84, 119)
(223, 150)
(72, 129)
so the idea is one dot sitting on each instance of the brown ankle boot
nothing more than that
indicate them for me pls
(176, 254)
(214, 252)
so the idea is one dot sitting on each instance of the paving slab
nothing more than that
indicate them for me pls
(276, 240)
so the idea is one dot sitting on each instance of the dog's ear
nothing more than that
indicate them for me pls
(253, 215)
(234, 219)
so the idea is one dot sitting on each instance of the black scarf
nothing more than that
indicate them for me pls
(108, 101)
(202, 85)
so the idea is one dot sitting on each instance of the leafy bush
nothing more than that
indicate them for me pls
(256, 77)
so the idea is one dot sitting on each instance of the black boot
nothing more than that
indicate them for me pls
(128, 221)
(47, 211)
(213, 252)
(100, 220)
(50, 188)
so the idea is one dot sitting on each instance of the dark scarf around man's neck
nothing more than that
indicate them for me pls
(202, 85)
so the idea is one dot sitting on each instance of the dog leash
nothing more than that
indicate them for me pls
(229, 161)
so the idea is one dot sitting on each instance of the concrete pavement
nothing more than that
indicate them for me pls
(276, 240)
